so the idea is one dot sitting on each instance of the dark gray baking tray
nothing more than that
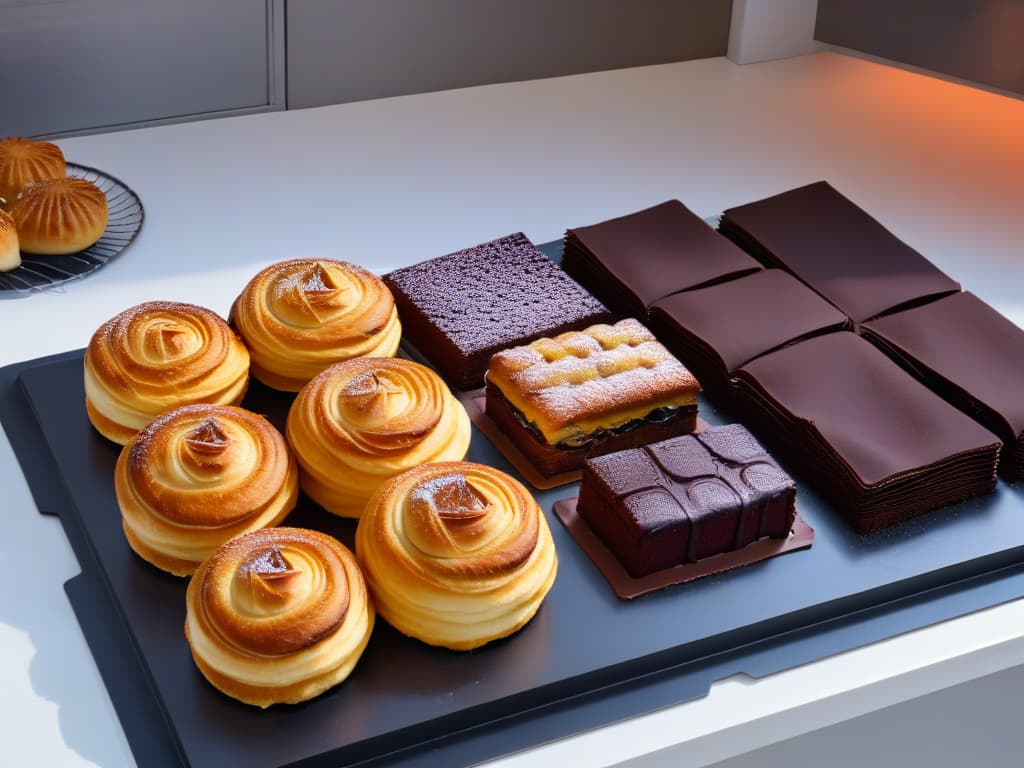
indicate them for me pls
(586, 660)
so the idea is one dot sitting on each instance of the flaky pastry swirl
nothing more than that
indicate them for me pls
(456, 554)
(363, 421)
(200, 475)
(278, 615)
(157, 356)
(301, 315)
(23, 161)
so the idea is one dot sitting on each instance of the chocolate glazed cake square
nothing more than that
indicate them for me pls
(633, 260)
(461, 308)
(686, 499)
(838, 249)
(972, 356)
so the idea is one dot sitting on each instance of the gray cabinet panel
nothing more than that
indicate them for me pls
(78, 64)
(979, 40)
(363, 49)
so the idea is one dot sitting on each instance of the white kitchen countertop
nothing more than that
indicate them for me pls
(390, 182)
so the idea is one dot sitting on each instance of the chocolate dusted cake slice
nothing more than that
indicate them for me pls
(972, 356)
(631, 261)
(585, 393)
(838, 249)
(717, 329)
(686, 499)
(461, 308)
(878, 445)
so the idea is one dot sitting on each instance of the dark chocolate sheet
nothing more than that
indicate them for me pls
(718, 329)
(405, 695)
(879, 445)
(630, 261)
(971, 355)
(836, 248)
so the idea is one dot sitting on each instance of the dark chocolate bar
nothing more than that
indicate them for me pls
(837, 249)
(460, 309)
(631, 261)
(971, 355)
(878, 445)
(715, 330)
(686, 499)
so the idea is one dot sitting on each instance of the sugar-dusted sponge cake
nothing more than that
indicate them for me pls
(585, 393)
(157, 356)
(200, 475)
(299, 316)
(685, 499)
(365, 420)
(278, 616)
(23, 161)
(60, 216)
(456, 554)
(461, 308)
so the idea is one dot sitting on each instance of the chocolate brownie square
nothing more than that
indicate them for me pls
(460, 309)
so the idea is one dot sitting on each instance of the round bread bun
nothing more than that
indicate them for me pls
(299, 316)
(10, 252)
(157, 356)
(365, 420)
(200, 475)
(60, 216)
(23, 161)
(278, 616)
(456, 554)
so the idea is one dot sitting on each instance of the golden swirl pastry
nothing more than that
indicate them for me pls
(299, 316)
(198, 476)
(278, 615)
(456, 554)
(366, 420)
(10, 252)
(23, 161)
(157, 356)
(60, 216)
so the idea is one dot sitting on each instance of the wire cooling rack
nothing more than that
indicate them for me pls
(124, 220)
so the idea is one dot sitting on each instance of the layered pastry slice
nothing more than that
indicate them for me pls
(971, 355)
(686, 499)
(717, 329)
(836, 248)
(460, 309)
(878, 445)
(630, 261)
(585, 393)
